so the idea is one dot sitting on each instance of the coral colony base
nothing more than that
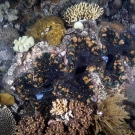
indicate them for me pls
(65, 67)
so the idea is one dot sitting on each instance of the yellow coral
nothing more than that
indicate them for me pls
(49, 28)
(82, 11)
(6, 99)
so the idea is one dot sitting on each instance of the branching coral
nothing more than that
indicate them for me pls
(55, 127)
(31, 125)
(59, 107)
(79, 123)
(7, 122)
(81, 118)
(82, 11)
(49, 28)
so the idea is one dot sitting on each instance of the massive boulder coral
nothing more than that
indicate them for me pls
(82, 11)
(50, 28)
(6, 99)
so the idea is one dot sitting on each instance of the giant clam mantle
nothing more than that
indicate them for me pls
(75, 77)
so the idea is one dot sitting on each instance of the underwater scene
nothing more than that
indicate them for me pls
(67, 67)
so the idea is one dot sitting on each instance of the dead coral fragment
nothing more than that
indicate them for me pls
(82, 11)
(59, 107)
(49, 28)
(6, 99)
(7, 122)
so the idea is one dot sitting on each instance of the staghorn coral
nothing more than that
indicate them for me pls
(50, 28)
(59, 107)
(110, 115)
(7, 122)
(82, 11)
(6, 99)
(31, 125)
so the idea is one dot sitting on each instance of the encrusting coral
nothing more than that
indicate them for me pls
(82, 11)
(49, 28)
(7, 122)
(6, 99)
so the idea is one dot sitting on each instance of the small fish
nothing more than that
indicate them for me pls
(41, 94)
(105, 58)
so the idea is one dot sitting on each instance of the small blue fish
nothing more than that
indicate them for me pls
(105, 58)
(39, 96)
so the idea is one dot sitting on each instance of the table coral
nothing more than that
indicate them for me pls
(49, 28)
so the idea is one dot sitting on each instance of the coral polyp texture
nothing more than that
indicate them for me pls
(50, 29)
(82, 11)
(7, 122)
